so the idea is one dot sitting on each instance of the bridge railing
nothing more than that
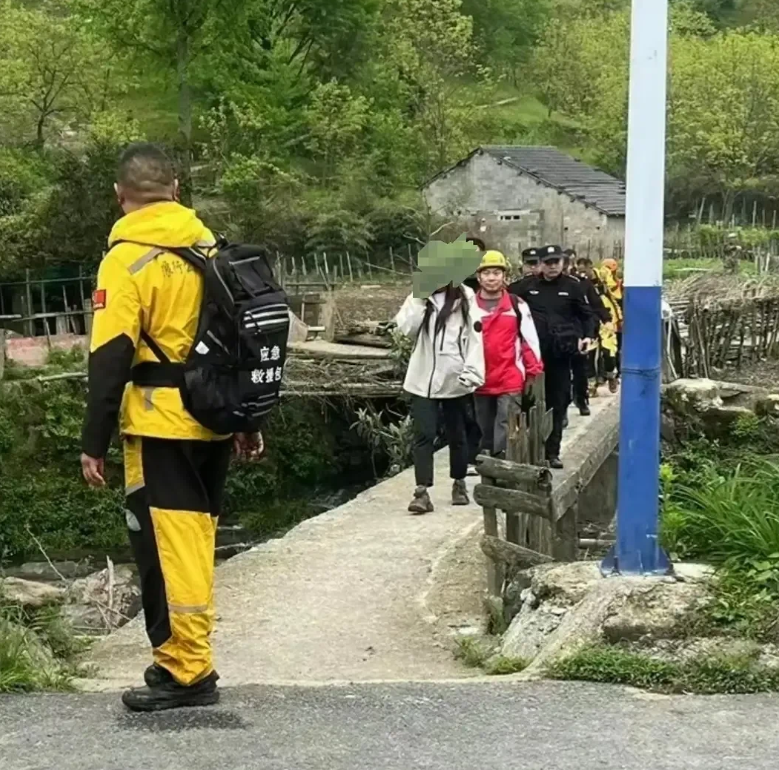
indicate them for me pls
(531, 516)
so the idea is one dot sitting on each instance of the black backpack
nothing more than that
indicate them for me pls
(233, 373)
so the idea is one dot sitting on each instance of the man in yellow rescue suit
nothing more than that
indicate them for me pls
(147, 302)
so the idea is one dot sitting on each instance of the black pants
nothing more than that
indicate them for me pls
(557, 372)
(472, 430)
(425, 414)
(174, 494)
(579, 366)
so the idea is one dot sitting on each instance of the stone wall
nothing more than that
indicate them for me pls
(479, 192)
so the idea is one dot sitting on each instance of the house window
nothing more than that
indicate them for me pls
(509, 216)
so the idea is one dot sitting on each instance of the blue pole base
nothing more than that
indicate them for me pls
(637, 550)
(658, 563)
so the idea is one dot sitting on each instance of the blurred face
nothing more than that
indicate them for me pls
(586, 270)
(492, 279)
(531, 267)
(552, 267)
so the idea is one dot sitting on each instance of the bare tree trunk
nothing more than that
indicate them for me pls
(185, 114)
(40, 137)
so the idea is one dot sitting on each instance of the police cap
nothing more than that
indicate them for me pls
(550, 253)
(530, 256)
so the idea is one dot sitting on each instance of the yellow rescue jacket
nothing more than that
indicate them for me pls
(143, 289)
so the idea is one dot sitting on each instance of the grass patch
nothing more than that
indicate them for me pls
(707, 676)
(479, 653)
(38, 651)
(472, 652)
(684, 268)
(500, 665)
(721, 506)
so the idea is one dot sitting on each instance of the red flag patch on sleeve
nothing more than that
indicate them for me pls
(98, 299)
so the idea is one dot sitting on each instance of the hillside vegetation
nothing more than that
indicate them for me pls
(309, 125)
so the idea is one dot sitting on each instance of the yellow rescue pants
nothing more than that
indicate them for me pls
(173, 498)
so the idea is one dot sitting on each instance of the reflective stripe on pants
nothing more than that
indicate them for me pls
(173, 502)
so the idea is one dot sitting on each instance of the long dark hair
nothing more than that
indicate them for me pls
(452, 294)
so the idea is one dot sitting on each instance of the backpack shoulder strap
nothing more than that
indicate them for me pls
(191, 256)
(515, 303)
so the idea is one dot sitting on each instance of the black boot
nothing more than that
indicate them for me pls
(584, 410)
(556, 463)
(171, 695)
(155, 675)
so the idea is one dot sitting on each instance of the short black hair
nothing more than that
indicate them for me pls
(146, 173)
(478, 243)
(570, 252)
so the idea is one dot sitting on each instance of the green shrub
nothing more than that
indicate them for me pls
(43, 497)
(705, 675)
(727, 518)
(38, 650)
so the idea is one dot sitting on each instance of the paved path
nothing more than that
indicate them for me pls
(496, 726)
(362, 593)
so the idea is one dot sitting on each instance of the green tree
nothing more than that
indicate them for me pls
(51, 68)
(724, 111)
(336, 119)
(171, 34)
(506, 31)
(426, 56)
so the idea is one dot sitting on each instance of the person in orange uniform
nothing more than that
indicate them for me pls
(146, 308)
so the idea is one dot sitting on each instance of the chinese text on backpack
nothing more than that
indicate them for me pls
(232, 376)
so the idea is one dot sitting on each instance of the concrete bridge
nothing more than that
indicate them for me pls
(365, 592)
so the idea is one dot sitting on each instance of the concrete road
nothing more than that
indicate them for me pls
(461, 726)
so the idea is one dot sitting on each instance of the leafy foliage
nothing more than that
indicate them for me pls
(719, 506)
(391, 438)
(616, 665)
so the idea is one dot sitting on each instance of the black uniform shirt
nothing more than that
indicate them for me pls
(559, 302)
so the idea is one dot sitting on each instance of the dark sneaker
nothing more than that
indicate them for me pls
(155, 676)
(584, 411)
(556, 463)
(172, 695)
(613, 385)
(460, 493)
(421, 502)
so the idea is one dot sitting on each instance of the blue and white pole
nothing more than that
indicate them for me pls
(637, 550)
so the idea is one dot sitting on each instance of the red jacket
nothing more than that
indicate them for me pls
(509, 359)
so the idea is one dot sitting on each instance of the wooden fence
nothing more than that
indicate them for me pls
(37, 307)
(521, 488)
(730, 334)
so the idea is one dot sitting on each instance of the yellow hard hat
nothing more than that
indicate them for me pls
(493, 259)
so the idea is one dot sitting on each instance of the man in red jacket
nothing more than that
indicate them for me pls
(512, 354)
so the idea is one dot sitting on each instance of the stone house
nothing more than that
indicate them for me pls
(517, 197)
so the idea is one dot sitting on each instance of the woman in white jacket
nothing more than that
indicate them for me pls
(446, 366)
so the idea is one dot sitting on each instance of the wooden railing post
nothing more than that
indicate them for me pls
(495, 569)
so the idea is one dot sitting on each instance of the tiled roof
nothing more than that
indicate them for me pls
(567, 174)
(556, 169)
